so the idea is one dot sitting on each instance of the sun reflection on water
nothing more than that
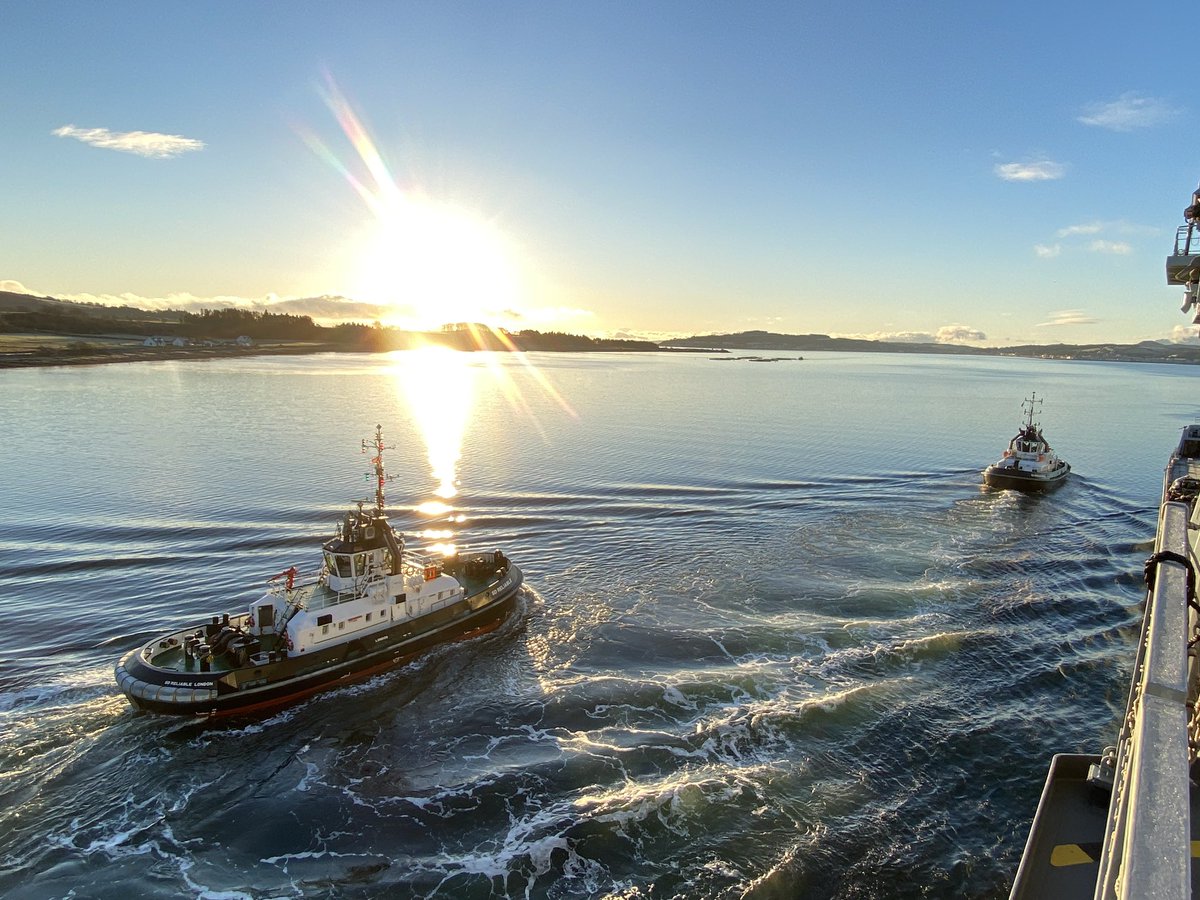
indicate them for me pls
(439, 387)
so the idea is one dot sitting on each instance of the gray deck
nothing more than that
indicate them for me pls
(1062, 857)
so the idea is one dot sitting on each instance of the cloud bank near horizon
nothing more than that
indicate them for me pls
(955, 333)
(1185, 334)
(150, 144)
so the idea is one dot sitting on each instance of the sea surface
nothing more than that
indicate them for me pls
(776, 640)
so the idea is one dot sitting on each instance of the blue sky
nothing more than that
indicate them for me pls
(993, 173)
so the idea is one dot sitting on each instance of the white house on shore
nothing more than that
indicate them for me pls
(158, 341)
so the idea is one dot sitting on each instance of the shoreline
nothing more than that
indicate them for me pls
(79, 353)
(96, 356)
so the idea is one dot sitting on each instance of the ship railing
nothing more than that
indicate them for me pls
(1146, 850)
(419, 563)
(1187, 242)
(311, 591)
(280, 587)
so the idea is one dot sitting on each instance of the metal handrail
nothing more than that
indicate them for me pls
(1185, 239)
(1146, 852)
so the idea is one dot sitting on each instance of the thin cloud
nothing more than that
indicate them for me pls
(1118, 226)
(1039, 170)
(1067, 317)
(1100, 244)
(634, 334)
(150, 144)
(1089, 228)
(543, 315)
(1128, 112)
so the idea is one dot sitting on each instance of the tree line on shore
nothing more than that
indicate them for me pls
(227, 325)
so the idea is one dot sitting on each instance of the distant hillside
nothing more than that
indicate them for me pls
(1146, 351)
(27, 303)
(25, 314)
(767, 340)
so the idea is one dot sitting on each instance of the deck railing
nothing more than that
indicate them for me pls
(1146, 851)
(1187, 242)
(413, 563)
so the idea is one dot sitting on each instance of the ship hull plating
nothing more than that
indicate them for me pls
(1030, 482)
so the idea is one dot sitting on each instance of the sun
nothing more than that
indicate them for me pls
(429, 261)
(434, 262)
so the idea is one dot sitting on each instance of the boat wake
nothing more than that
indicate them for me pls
(832, 682)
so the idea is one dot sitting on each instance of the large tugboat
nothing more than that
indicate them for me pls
(1029, 463)
(372, 605)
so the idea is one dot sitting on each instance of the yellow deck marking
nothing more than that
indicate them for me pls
(1070, 855)
(1076, 855)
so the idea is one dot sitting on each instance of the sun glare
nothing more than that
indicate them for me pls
(432, 261)
(435, 263)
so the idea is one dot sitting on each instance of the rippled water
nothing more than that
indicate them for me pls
(776, 642)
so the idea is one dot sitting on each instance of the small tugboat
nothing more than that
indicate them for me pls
(1029, 463)
(372, 605)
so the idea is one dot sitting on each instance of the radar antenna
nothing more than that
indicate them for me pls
(1032, 401)
(377, 445)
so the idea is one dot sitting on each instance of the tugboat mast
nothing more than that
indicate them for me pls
(1032, 400)
(381, 477)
